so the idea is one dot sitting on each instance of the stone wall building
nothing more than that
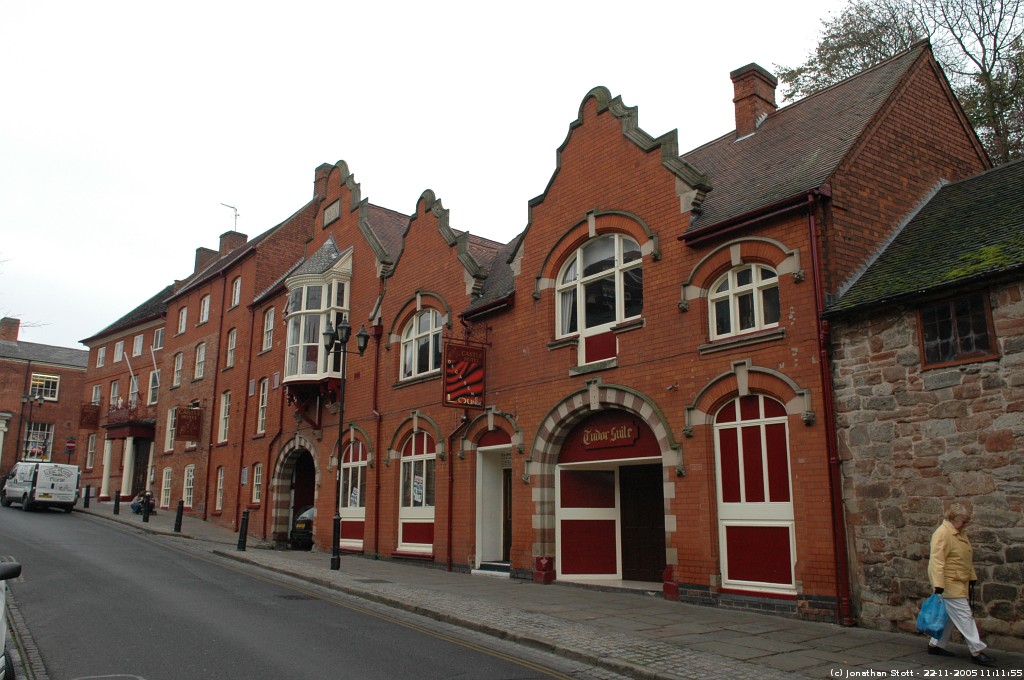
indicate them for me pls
(929, 373)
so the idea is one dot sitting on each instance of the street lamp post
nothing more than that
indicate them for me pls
(336, 342)
(30, 399)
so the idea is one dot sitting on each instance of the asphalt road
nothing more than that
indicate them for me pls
(104, 601)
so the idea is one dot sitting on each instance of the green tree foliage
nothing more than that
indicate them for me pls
(979, 43)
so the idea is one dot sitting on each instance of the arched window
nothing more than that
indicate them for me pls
(599, 286)
(416, 514)
(353, 478)
(421, 345)
(755, 504)
(744, 299)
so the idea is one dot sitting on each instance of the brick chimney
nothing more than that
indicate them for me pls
(320, 180)
(754, 97)
(204, 256)
(230, 240)
(9, 329)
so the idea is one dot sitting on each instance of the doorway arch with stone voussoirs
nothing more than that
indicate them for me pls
(559, 423)
(297, 462)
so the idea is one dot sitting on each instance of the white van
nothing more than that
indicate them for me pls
(8, 570)
(41, 484)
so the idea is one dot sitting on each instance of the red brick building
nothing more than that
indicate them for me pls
(635, 390)
(39, 388)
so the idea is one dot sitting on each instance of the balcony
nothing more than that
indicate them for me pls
(130, 419)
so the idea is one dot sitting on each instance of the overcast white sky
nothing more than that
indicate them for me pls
(125, 125)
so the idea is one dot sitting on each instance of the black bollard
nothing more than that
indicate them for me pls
(177, 517)
(146, 500)
(88, 492)
(243, 531)
(117, 502)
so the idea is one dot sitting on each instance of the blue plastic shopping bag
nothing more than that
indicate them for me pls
(932, 619)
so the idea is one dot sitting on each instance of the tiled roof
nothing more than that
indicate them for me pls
(795, 149)
(388, 226)
(970, 230)
(152, 308)
(500, 282)
(322, 260)
(49, 354)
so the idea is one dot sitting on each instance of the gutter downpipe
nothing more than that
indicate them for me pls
(843, 598)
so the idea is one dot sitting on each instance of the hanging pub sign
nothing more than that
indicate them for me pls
(89, 417)
(189, 425)
(464, 369)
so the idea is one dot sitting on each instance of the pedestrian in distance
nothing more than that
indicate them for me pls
(952, 575)
(137, 503)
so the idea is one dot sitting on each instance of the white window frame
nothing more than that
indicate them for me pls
(179, 361)
(753, 513)
(218, 503)
(115, 392)
(118, 350)
(133, 390)
(304, 351)
(189, 488)
(225, 416)
(236, 291)
(261, 412)
(727, 294)
(229, 359)
(413, 337)
(90, 451)
(137, 345)
(158, 338)
(572, 286)
(257, 482)
(182, 320)
(172, 428)
(45, 385)
(97, 394)
(101, 357)
(200, 369)
(268, 328)
(154, 387)
(165, 487)
(204, 310)
(416, 511)
(39, 434)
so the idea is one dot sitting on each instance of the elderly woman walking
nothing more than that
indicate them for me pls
(951, 572)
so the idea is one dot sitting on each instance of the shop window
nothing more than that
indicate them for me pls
(416, 512)
(957, 330)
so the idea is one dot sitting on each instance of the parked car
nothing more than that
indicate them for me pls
(301, 536)
(8, 570)
(34, 484)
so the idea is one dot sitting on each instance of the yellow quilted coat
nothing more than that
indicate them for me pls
(951, 562)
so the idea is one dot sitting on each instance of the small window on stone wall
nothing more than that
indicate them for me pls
(957, 330)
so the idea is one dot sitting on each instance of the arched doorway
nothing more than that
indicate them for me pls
(293, 487)
(609, 492)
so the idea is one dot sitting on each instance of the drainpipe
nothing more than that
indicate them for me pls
(451, 481)
(841, 556)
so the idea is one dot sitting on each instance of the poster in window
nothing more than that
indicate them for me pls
(464, 372)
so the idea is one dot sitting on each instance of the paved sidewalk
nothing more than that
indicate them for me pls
(631, 633)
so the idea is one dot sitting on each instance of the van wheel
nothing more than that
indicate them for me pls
(25, 505)
(68, 508)
(4, 500)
